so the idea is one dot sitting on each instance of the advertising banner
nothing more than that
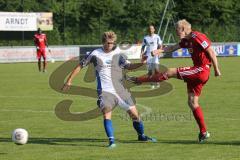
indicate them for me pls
(28, 54)
(220, 49)
(17, 21)
(63, 53)
(45, 21)
(23, 21)
(238, 51)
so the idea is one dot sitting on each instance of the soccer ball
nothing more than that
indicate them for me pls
(52, 60)
(20, 136)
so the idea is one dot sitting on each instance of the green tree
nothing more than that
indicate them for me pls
(83, 21)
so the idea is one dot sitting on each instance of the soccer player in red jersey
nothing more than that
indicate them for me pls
(40, 41)
(203, 57)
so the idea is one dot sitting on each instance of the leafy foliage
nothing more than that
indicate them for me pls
(83, 21)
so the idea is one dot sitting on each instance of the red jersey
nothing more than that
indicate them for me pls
(40, 40)
(197, 45)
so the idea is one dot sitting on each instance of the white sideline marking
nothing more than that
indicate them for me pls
(24, 110)
(35, 97)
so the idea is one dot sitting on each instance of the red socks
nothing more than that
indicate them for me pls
(158, 77)
(198, 114)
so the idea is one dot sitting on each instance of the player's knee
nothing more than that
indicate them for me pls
(192, 104)
(107, 114)
(171, 72)
(134, 116)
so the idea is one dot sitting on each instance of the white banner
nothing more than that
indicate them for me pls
(17, 21)
(28, 54)
(45, 21)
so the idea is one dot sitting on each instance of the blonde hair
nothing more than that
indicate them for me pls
(185, 25)
(109, 35)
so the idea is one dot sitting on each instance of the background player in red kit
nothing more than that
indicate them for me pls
(203, 56)
(40, 41)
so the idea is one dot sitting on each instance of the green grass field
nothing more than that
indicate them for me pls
(27, 101)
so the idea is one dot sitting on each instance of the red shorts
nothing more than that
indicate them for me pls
(41, 52)
(195, 77)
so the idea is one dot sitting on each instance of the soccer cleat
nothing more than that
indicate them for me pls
(132, 80)
(202, 137)
(112, 145)
(146, 138)
(152, 87)
(158, 85)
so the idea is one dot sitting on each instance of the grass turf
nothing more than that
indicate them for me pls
(27, 101)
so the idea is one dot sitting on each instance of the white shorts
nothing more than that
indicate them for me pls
(152, 67)
(109, 100)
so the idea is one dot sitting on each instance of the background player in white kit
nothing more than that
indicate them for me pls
(109, 63)
(150, 43)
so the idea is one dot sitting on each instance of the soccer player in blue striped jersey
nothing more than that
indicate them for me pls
(150, 43)
(109, 64)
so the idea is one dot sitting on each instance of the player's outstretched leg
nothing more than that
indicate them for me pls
(158, 77)
(132, 79)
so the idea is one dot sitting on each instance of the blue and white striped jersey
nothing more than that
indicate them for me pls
(151, 43)
(108, 67)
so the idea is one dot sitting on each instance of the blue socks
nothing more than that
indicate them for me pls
(138, 126)
(109, 130)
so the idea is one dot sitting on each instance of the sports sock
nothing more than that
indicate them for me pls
(39, 65)
(138, 126)
(198, 114)
(109, 130)
(157, 77)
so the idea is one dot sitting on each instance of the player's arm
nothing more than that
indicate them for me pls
(84, 62)
(159, 43)
(46, 43)
(34, 40)
(142, 54)
(73, 74)
(159, 46)
(142, 49)
(168, 49)
(213, 57)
